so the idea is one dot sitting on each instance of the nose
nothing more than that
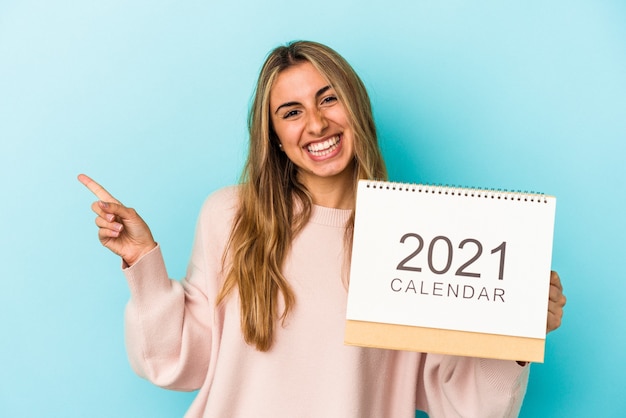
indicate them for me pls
(317, 123)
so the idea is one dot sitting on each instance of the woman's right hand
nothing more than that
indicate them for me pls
(120, 229)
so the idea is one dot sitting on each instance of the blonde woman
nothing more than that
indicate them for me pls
(257, 324)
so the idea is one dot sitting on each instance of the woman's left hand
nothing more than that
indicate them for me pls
(556, 302)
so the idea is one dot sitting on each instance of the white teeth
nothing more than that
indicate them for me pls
(323, 148)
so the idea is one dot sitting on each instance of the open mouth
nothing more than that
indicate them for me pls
(320, 149)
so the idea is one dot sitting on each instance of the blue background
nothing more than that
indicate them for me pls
(150, 98)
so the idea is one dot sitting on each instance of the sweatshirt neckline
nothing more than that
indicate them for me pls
(330, 216)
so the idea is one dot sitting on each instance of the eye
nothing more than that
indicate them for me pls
(291, 114)
(329, 100)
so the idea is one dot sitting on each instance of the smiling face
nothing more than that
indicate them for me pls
(312, 126)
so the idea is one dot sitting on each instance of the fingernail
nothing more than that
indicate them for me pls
(110, 217)
(103, 205)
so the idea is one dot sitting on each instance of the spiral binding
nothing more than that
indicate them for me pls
(452, 190)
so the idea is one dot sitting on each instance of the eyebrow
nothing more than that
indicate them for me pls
(317, 95)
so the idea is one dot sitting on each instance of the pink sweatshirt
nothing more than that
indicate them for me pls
(178, 339)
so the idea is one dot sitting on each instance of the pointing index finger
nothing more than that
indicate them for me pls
(96, 189)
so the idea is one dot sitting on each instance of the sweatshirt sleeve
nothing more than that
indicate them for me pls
(170, 323)
(471, 387)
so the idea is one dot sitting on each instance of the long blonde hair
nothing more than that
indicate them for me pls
(274, 205)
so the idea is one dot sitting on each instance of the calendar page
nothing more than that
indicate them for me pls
(472, 262)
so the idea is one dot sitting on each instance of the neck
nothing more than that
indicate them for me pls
(333, 192)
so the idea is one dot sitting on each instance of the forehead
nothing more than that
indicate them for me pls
(296, 83)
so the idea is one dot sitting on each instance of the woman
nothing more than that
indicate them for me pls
(257, 324)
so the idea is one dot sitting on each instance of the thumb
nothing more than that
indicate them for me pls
(128, 217)
(110, 210)
(133, 223)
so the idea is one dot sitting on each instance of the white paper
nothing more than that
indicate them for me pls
(437, 296)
